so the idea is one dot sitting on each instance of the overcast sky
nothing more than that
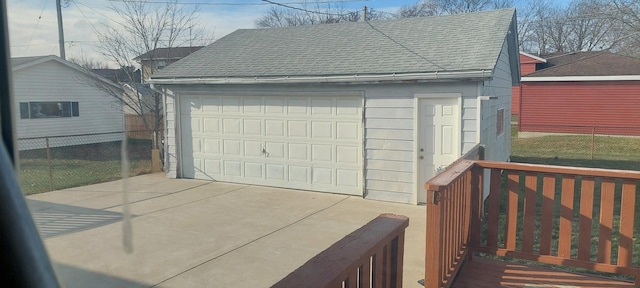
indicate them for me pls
(33, 23)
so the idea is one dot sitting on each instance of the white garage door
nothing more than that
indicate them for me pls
(306, 142)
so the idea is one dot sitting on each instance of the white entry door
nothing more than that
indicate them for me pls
(439, 138)
(298, 141)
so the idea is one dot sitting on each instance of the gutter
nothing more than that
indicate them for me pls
(581, 78)
(477, 74)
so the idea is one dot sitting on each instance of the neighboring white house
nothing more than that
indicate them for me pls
(55, 98)
(369, 108)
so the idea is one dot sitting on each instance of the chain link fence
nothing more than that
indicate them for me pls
(60, 162)
(582, 146)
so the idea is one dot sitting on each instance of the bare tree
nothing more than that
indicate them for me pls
(591, 28)
(312, 13)
(143, 27)
(583, 25)
(627, 14)
(419, 9)
(440, 7)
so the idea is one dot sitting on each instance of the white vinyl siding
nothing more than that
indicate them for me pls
(388, 158)
(170, 141)
(498, 147)
(54, 82)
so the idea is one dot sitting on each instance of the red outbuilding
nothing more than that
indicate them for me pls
(581, 92)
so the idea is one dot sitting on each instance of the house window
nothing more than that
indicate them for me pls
(500, 122)
(33, 110)
(161, 64)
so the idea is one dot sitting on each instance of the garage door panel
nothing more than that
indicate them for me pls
(322, 107)
(232, 168)
(252, 127)
(322, 176)
(253, 170)
(211, 104)
(349, 107)
(212, 147)
(347, 178)
(297, 106)
(347, 131)
(274, 128)
(253, 148)
(306, 142)
(232, 105)
(196, 146)
(274, 105)
(320, 152)
(298, 128)
(231, 126)
(298, 152)
(211, 126)
(232, 147)
(252, 105)
(212, 167)
(322, 130)
(298, 174)
(347, 154)
(275, 150)
(275, 172)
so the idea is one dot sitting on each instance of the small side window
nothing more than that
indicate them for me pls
(500, 122)
(24, 110)
(75, 109)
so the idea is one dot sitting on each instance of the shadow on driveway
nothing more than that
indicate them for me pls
(79, 277)
(55, 219)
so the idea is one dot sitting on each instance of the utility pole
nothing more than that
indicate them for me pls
(60, 32)
(364, 13)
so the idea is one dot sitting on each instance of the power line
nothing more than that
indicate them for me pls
(403, 46)
(36, 27)
(237, 4)
(301, 9)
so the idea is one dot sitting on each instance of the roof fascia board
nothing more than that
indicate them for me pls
(478, 74)
(582, 78)
(68, 64)
(533, 57)
(33, 62)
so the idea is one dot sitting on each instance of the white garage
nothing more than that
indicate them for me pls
(372, 109)
(311, 142)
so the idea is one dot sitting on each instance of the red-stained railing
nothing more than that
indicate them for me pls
(371, 256)
(567, 216)
(452, 200)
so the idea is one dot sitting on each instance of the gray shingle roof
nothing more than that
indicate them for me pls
(17, 61)
(593, 64)
(168, 53)
(463, 42)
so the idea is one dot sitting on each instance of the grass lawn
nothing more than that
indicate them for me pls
(610, 152)
(80, 165)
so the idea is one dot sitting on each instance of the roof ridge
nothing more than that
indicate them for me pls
(571, 62)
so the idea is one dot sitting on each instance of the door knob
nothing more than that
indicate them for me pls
(421, 157)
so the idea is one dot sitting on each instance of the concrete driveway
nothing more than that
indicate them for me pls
(193, 233)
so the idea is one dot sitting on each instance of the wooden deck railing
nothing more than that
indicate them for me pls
(371, 256)
(568, 216)
(452, 199)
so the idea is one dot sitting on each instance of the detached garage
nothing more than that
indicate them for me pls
(372, 109)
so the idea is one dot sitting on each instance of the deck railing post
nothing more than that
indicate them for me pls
(433, 250)
(477, 174)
